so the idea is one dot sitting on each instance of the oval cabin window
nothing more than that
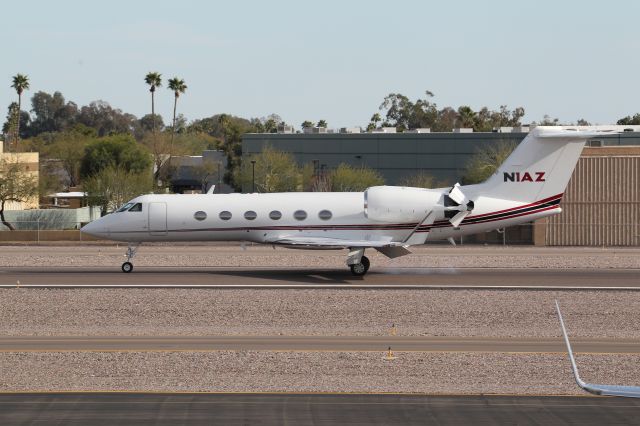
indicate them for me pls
(325, 215)
(250, 215)
(275, 215)
(225, 215)
(300, 215)
(200, 215)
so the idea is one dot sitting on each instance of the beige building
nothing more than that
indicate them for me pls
(31, 163)
(601, 206)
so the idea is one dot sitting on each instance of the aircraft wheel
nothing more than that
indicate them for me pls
(359, 269)
(127, 267)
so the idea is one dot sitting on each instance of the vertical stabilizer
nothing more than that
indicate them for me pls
(540, 167)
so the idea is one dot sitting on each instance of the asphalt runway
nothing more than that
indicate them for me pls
(413, 278)
(311, 409)
(311, 343)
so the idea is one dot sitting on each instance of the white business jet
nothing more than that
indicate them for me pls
(527, 186)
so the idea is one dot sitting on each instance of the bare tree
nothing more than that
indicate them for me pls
(16, 185)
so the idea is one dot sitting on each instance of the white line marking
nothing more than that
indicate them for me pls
(333, 286)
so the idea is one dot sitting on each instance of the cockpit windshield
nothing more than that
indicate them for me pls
(132, 207)
(137, 207)
(124, 208)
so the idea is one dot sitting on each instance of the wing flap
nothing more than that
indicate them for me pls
(333, 242)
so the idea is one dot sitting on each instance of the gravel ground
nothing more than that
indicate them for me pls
(460, 373)
(509, 313)
(313, 312)
(261, 256)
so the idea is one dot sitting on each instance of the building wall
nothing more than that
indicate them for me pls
(31, 163)
(601, 206)
(397, 155)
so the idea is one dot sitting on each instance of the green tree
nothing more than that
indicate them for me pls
(178, 86)
(16, 185)
(69, 148)
(52, 113)
(112, 186)
(404, 114)
(346, 178)
(322, 123)
(486, 161)
(206, 172)
(106, 119)
(306, 124)
(466, 117)
(275, 171)
(420, 180)
(119, 151)
(9, 126)
(630, 121)
(548, 121)
(373, 124)
(20, 84)
(153, 79)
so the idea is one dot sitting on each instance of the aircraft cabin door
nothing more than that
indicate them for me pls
(158, 218)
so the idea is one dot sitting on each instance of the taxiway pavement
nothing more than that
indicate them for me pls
(311, 409)
(311, 343)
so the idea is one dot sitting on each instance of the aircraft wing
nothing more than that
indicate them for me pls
(606, 390)
(321, 242)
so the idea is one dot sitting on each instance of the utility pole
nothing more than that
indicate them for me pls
(253, 176)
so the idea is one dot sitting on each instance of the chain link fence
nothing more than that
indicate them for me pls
(540, 233)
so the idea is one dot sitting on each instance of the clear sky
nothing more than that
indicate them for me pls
(334, 60)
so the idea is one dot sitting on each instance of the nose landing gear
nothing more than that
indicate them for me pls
(131, 252)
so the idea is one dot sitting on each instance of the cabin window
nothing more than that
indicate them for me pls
(200, 215)
(325, 214)
(250, 215)
(225, 215)
(275, 215)
(300, 215)
(137, 207)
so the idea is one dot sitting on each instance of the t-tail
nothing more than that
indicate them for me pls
(540, 167)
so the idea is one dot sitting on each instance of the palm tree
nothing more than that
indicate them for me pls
(178, 86)
(20, 83)
(153, 79)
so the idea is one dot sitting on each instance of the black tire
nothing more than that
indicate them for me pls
(366, 263)
(127, 267)
(360, 269)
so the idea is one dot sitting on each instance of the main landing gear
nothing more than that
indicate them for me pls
(358, 262)
(131, 252)
(359, 269)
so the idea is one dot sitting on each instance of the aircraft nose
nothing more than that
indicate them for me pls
(94, 228)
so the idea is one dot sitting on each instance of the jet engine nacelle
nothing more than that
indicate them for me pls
(399, 204)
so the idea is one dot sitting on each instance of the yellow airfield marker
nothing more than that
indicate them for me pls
(389, 356)
(393, 330)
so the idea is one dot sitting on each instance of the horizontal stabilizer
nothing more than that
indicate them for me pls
(553, 133)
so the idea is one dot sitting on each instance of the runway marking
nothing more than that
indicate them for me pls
(394, 403)
(327, 287)
(279, 393)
